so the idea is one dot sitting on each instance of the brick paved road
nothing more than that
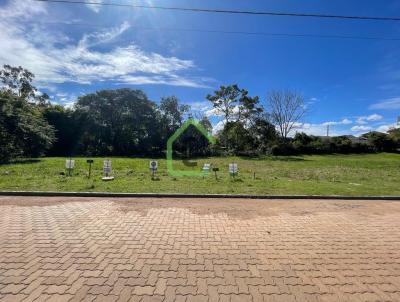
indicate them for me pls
(59, 249)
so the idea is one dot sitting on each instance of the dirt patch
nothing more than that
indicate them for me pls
(238, 208)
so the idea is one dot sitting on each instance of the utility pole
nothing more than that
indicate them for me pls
(327, 130)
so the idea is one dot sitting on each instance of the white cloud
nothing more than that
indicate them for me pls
(386, 128)
(361, 128)
(202, 106)
(329, 123)
(38, 49)
(374, 117)
(22, 9)
(370, 118)
(314, 129)
(94, 7)
(345, 121)
(391, 103)
(218, 126)
(104, 36)
(64, 98)
(214, 112)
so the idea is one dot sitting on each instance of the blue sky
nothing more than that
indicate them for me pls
(351, 84)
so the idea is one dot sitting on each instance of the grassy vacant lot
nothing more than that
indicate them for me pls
(370, 174)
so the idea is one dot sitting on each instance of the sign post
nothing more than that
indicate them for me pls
(107, 170)
(233, 169)
(206, 169)
(215, 172)
(153, 165)
(90, 162)
(69, 165)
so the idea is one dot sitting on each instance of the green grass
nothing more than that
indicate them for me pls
(366, 175)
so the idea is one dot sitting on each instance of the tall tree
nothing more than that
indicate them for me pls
(118, 122)
(235, 138)
(239, 110)
(205, 122)
(287, 109)
(249, 109)
(18, 81)
(234, 103)
(226, 100)
(23, 130)
(173, 111)
(263, 132)
(66, 129)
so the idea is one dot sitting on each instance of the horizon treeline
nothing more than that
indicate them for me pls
(125, 122)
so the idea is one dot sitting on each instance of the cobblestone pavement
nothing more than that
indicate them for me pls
(77, 249)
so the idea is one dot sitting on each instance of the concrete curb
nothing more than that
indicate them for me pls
(176, 195)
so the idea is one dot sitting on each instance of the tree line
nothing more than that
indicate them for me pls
(125, 122)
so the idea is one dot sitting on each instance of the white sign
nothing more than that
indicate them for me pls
(70, 163)
(233, 168)
(206, 167)
(153, 165)
(107, 166)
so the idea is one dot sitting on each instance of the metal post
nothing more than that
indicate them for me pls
(69, 168)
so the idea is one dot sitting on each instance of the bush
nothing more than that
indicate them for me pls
(286, 148)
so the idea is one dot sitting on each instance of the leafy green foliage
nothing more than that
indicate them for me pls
(23, 130)
(66, 129)
(117, 122)
(18, 81)
(381, 142)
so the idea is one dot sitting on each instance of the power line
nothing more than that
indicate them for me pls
(277, 34)
(224, 11)
(247, 33)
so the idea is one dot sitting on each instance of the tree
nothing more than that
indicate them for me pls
(235, 138)
(381, 142)
(249, 109)
(43, 100)
(239, 111)
(263, 132)
(23, 130)
(226, 99)
(205, 122)
(118, 122)
(287, 109)
(173, 111)
(234, 103)
(18, 81)
(394, 134)
(66, 129)
(172, 114)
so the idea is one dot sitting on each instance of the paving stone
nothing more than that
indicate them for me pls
(60, 249)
